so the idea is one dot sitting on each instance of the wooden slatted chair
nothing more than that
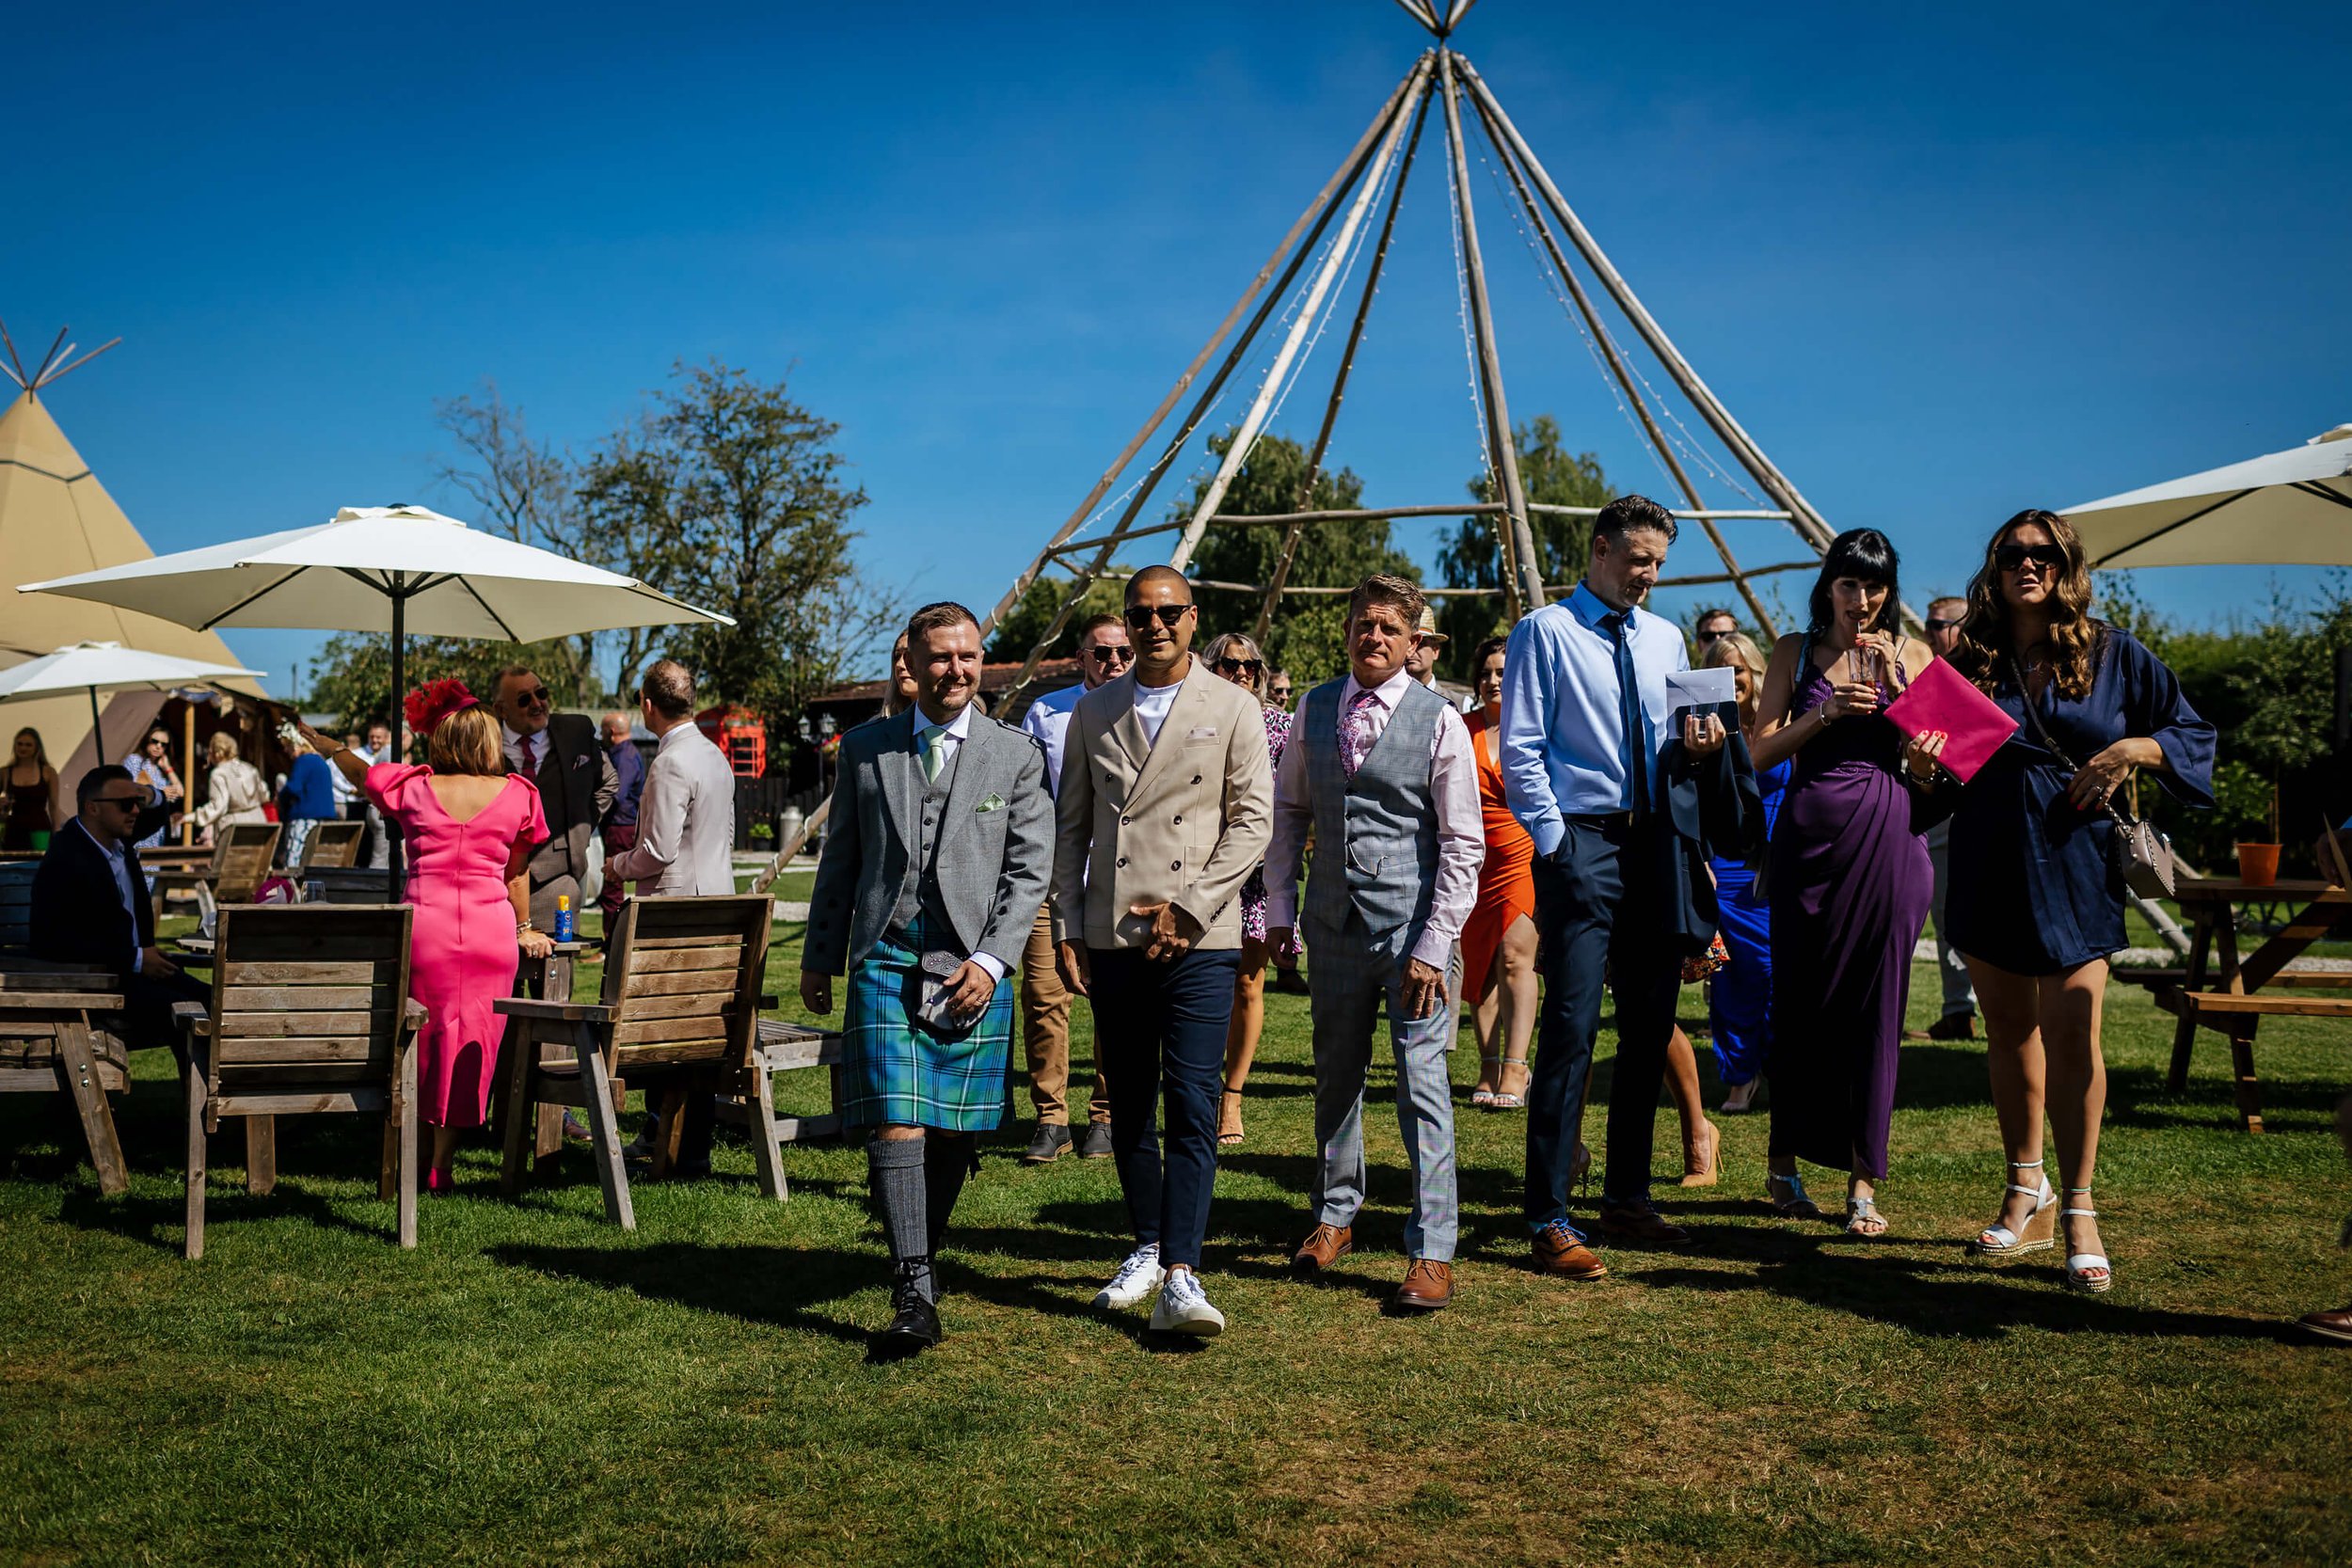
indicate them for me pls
(16, 906)
(681, 1012)
(310, 1013)
(330, 846)
(242, 853)
(54, 1039)
(782, 1047)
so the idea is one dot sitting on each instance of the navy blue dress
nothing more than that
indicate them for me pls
(2032, 890)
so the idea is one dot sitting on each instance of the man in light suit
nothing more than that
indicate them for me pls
(685, 818)
(1167, 790)
(558, 751)
(936, 859)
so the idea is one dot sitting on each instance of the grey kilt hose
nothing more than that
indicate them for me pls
(893, 1070)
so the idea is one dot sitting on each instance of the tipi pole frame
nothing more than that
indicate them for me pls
(1246, 437)
(1806, 519)
(1382, 514)
(1519, 557)
(1618, 369)
(1339, 382)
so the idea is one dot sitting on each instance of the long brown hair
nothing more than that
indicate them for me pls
(1985, 641)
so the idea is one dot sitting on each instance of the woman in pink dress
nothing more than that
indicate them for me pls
(470, 827)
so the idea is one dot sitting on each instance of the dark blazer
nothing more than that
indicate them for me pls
(576, 783)
(1714, 807)
(78, 916)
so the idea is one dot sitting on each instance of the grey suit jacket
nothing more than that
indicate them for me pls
(995, 848)
(685, 821)
(1183, 820)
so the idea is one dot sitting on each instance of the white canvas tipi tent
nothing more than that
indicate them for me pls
(55, 519)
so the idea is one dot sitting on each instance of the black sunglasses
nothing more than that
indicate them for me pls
(1707, 637)
(1239, 666)
(1139, 616)
(133, 802)
(2011, 557)
(1936, 623)
(1110, 653)
(536, 696)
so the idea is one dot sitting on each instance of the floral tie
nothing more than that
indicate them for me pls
(1355, 736)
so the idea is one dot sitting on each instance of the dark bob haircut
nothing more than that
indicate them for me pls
(1864, 553)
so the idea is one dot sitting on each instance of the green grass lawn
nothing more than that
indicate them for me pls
(531, 1386)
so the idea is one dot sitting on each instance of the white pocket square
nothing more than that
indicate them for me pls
(1206, 732)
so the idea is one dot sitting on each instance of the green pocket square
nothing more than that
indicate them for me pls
(995, 802)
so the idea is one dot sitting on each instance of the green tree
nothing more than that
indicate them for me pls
(1019, 631)
(1472, 557)
(1309, 635)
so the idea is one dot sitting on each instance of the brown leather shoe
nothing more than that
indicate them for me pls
(1561, 1251)
(1429, 1285)
(1638, 1221)
(1954, 1026)
(1325, 1246)
(2336, 1325)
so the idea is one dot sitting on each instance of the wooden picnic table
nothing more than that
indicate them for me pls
(2230, 995)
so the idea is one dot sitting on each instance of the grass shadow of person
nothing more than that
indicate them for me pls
(778, 1286)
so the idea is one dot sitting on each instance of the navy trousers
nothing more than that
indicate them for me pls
(1593, 927)
(1160, 1034)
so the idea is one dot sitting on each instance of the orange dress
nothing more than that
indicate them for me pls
(1506, 882)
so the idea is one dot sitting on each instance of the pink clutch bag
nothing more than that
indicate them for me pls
(1941, 697)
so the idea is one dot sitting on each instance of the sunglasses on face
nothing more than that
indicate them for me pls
(1936, 623)
(132, 801)
(1709, 637)
(1110, 653)
(1139, 616)
(1240, 666)
(535, 696)
(2008, 558)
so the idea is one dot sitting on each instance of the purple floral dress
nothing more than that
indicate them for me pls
(1278, 735)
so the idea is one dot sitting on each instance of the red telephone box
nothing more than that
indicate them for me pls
(740, 734)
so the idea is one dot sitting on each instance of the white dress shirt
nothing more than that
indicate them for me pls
(685, 820)
(1561, 746)
(518, 758)
(951, 740)
(1452, 786)
(119, 863)
(1048, 722)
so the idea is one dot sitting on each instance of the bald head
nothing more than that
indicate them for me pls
(1153, 577)
(1161, 620)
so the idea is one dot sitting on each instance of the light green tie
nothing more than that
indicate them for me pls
(934, 740)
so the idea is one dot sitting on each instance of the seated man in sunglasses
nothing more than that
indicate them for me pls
(559, 752)
(1103, 655)
(90, 904)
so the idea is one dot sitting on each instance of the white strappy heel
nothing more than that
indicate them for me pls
(2086, 1271)
(2040, 1230)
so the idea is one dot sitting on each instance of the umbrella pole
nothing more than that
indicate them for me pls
(187, 777)
(400, 610)
(97, 729)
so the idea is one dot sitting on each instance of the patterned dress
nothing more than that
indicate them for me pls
(1278, 735)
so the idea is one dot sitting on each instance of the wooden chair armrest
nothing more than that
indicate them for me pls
(555, 1012)
(193, 1016)
(415, 1014)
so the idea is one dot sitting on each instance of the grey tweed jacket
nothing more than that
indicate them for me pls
(995, 848)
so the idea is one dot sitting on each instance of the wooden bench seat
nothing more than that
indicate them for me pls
(2236, 1015)
(55, 1039)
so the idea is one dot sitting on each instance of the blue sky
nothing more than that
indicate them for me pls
(1943, 263)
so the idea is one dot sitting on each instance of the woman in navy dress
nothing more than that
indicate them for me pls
(2035, 904)
(1850, 877)
(1740, 994)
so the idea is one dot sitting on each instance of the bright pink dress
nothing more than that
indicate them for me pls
(462, 952)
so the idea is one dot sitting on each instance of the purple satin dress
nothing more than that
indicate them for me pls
(1850, 883)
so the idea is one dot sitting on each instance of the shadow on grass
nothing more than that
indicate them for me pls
(161, 1223)
(774, 1285)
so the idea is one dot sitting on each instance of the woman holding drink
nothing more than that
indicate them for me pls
(1848, 877)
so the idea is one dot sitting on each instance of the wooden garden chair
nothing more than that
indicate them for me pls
(310, 1013)
(242, 853)
(330, 846)
(54, 1039)
(680, 1011)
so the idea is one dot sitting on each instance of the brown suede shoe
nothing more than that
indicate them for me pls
(2336, 1325)
(1561, 1251)
(1638, 1221)
(1325, 1246)
(1429, 1285)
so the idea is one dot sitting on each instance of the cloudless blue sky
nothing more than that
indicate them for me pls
(1942, 263)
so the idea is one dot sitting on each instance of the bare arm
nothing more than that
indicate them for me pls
(345, 759)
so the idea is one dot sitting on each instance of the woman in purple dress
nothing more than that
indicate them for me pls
(1848, 877)
(1236, 659)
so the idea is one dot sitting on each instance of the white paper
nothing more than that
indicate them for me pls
(1701, 688)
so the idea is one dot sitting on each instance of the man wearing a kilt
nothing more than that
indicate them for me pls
(937, 853)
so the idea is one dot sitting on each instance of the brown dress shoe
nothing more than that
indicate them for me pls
(1560, 1250)
(1954, 1026)
(1325, 1246)
(1638, 1221)
(2336, 1325)
(1429, 1285)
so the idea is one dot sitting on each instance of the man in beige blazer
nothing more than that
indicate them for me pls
(1167, 791)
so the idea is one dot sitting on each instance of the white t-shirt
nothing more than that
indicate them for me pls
(1151, 706)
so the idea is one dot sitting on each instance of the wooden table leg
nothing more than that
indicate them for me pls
(2184, 1032)
(2248, 1090)
(260, 1155)
(603, 1128)
(77, 1064)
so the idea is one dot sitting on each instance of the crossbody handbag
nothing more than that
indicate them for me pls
(2140, 852)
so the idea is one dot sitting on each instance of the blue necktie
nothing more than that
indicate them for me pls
(1630, 714)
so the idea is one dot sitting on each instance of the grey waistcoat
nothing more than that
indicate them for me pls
(919, 892)
(1385, 865)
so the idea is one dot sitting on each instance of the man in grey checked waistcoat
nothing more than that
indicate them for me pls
(1381, 769)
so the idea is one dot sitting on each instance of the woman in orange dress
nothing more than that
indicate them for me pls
(1498, 939)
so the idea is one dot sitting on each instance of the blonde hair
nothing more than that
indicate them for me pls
(1738, 647)
(222, 747)
(466, 742)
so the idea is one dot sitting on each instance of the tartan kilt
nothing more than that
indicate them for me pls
(893, 1070)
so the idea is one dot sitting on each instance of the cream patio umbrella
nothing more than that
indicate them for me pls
(95, 667)
(2289, 508)
(391, 569)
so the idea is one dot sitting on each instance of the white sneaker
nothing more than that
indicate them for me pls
(1137, 1278)
(1184, 1308)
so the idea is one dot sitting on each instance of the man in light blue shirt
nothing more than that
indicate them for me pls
(1585, 725)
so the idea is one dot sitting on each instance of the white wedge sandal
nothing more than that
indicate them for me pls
(2037, 1234)
(2086, 1270)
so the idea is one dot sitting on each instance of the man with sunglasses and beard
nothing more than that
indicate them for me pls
(1104, 653)
(558, 751)
(1166, 805)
